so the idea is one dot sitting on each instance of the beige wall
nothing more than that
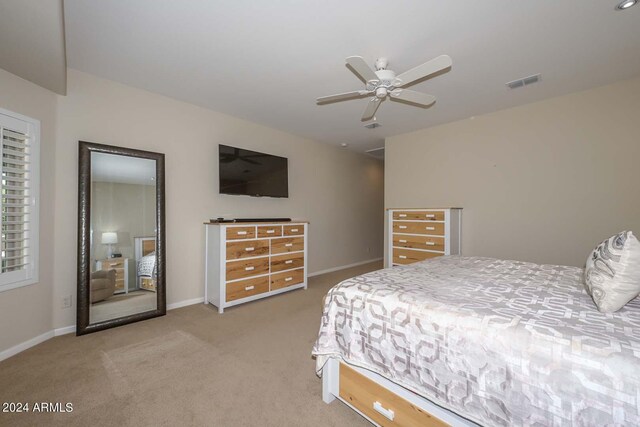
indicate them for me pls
(340, 192)
(544, 182)
(26, 312)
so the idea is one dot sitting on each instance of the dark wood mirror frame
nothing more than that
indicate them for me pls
(84, 225)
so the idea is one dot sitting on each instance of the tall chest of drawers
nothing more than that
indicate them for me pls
(418, 234)
(249, 261)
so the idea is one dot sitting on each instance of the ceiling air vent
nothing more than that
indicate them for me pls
(372, 125)
(378, 153)
(524, 82)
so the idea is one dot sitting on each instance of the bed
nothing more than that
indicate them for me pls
(472, 340)
(145, 254)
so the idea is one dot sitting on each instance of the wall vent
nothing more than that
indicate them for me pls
(372, 125)
(524, 81)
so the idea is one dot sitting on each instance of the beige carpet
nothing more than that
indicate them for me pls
(250, 366)
(123, 305)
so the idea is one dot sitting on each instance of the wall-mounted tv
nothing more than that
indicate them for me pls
(250, 173)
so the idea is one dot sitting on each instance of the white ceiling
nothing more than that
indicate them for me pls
(122, 169)
(267, 61)
(32, 43)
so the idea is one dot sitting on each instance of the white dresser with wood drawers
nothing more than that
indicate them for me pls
(249, 261)
(418, 234)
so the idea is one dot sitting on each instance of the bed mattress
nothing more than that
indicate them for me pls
(498, 342)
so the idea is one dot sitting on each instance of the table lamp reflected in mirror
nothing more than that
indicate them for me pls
(110, 238)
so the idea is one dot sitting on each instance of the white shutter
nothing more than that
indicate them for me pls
(18, 198)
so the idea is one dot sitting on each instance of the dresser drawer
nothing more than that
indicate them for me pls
(409, 256)
(419, 215)
(432, 228)
(247, 268)
(269, 230)
(419, 242)
(247, 249)
(247, 288)
(112, 265)
(287, 278)
(241, 233)
(374, 400)
(293, 230)
(119, 285)
(287, 261)
(287, 244)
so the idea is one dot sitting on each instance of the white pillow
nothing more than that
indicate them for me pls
(612, 273)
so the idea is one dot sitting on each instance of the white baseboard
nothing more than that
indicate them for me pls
(342, 267)
(12, 351)
(185, 303)
(63, 331)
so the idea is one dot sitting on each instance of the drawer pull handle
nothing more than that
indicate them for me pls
(403, 241)
(271, 231)
(241, 233)
(288, 279)
(288, 245)
(249, 249)
(289, 261)
(294, 230)
(387, 413)
(430, 216)
(429, 243)
(249, 288)
(249, 268)
(402, 215)
(430, 228)
(403, 227)
(403, 257)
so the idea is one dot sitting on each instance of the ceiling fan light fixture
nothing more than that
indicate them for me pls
(626, 4)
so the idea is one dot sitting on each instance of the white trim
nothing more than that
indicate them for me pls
(63, 331)
(342, 267)
(185, 303)
(19, 348)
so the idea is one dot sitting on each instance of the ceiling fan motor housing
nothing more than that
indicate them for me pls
(386, 83)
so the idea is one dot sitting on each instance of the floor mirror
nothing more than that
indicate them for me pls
(121, 236)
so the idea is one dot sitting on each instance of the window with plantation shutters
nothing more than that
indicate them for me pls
(19, 150)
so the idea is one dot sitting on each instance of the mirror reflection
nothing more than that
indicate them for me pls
(123, 276)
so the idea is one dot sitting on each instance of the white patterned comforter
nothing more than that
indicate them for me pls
(498, 342)
(147, 265)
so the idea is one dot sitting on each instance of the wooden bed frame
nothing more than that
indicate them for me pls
(383, 402)
(144, 246)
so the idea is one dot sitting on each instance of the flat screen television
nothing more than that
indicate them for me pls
(250, 173)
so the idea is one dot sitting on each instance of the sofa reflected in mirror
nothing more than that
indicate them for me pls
(103, 285)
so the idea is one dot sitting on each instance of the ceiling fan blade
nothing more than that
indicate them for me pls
(371, 109)
(341, 96)
(421, 71)
(413, 97)
(361, 68)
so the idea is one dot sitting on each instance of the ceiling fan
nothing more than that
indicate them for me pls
(228, 157)
(382, 83)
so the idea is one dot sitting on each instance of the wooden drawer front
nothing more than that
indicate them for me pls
(294, 230)
(433, 228)
(288, 278)
(247, 249)
(112, 265)
(419, 242)
(247, 268)
(408, 256)
(269, 230)
(247, 288)
(120, 274)
(366, 396)
(241, 233)
(119, 285)
(287, 262)
(419, 215)
(289, 244)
